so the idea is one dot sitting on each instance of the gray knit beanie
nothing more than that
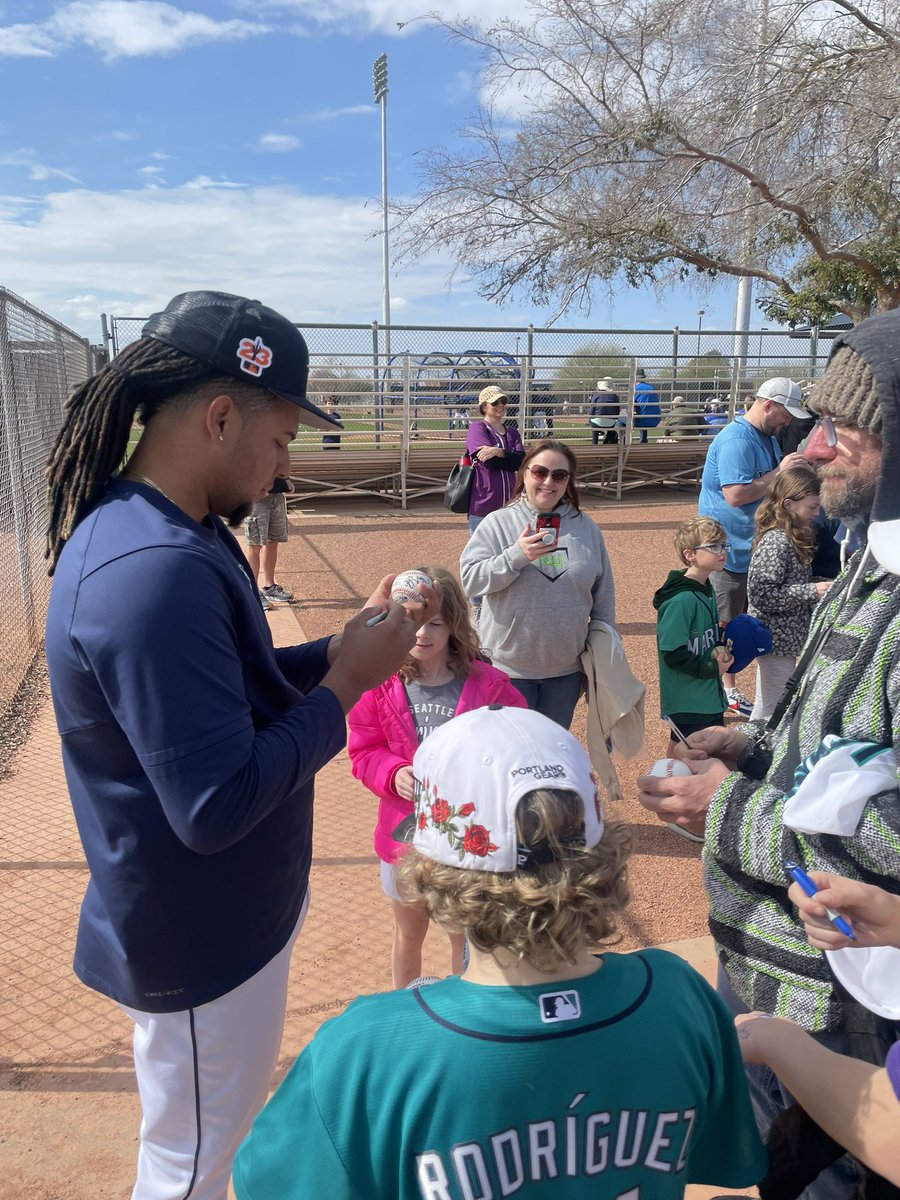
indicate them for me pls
(862, 384)
(848, 390)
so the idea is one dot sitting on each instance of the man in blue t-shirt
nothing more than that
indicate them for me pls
(741, 463)
(190, 744)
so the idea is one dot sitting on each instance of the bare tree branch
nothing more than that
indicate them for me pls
(659, 140)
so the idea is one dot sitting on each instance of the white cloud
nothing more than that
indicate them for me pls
(278, 143)
(201, 182)
(133, 250)
(39, 171)
(27, 158)
(121, 29)
(397, 17)
(352, 110)
(150, 171)
(26, 41)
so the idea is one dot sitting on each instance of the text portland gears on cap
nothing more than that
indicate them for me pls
(244, 339)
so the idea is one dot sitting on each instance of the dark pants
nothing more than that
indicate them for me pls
(555, 698)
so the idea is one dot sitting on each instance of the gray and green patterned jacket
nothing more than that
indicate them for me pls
(851, 689)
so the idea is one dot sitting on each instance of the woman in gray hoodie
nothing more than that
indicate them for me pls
(541, 566)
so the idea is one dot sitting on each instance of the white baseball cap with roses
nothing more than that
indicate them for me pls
(471, 773)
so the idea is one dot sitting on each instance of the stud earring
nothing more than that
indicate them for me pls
(221, 439)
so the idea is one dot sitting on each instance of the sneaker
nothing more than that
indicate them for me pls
(737, 702)
(277, 592)
(685, 833)
(265, 602)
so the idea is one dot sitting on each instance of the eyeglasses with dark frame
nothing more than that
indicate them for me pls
(499, 400)
(558, 474)
(715, 547)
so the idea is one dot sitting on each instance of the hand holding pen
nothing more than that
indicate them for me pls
(810, 890)
(873, 912)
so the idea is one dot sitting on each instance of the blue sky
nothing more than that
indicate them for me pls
(148, 148)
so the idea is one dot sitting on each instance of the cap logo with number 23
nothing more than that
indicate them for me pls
(255, 355)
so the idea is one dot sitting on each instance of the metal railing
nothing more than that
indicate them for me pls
(41, 360)
(427, 389)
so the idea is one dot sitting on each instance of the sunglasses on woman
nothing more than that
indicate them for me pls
(558, 474)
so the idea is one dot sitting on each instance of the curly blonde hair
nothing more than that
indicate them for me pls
(796, 483)
(545, 915)
(462, 649)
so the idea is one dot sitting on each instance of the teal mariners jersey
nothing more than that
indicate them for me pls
(627, 1084)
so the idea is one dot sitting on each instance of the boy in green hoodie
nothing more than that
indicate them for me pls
(691, 660)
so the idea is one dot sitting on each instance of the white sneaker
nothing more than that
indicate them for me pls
(738, 702)
(685, 833)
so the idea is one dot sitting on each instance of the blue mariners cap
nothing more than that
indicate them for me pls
(244, 339)
(747, 638)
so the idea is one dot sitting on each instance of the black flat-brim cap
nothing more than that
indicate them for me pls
(244, 339)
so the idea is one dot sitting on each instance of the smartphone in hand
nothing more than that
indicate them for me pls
(548, 524)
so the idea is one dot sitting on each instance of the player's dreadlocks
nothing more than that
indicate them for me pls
(97, 423)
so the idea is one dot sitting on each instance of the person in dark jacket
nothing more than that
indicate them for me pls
(190, 744)
(603, 413)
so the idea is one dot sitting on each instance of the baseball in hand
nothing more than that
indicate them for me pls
(665, 768)
(405, 588)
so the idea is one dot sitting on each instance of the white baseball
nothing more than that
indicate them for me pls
(667, 767)
(405, 588)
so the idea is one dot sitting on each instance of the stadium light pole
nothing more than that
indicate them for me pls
(380, 90)
(701, 313)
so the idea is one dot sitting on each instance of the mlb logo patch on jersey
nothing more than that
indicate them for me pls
(559, 1006)
(255, 355)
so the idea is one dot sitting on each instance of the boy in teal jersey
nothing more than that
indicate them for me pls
(546, 1069)
(691, 661)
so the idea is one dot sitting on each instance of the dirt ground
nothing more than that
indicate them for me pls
(68, 1109)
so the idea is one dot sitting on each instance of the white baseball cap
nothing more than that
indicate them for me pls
(471, 773)
(785, 392)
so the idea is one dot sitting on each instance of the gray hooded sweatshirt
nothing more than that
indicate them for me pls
(535, 615)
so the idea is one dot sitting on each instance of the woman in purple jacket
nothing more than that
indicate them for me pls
(442, 677)
(496, 454)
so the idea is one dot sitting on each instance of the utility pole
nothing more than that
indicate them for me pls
(380, 90)
(744, 296)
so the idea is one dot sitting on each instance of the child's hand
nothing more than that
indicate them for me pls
(403, 783)
(873, 912)
(724, 658)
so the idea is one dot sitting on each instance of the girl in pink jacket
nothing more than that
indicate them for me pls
(442, 676)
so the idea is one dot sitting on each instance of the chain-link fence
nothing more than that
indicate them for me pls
(40, 362)
(422, 382)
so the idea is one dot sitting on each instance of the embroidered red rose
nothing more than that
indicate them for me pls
(477, 841)
(421, 820)
(467, 809)
(440, 812)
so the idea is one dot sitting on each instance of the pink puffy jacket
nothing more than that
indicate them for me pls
(383, 739)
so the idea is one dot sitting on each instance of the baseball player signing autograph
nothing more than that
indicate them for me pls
(546, 1070)
(190, 744)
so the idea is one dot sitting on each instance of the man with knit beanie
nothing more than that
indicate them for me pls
(747, 794)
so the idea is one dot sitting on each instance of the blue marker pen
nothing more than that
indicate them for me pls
(796, 872)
